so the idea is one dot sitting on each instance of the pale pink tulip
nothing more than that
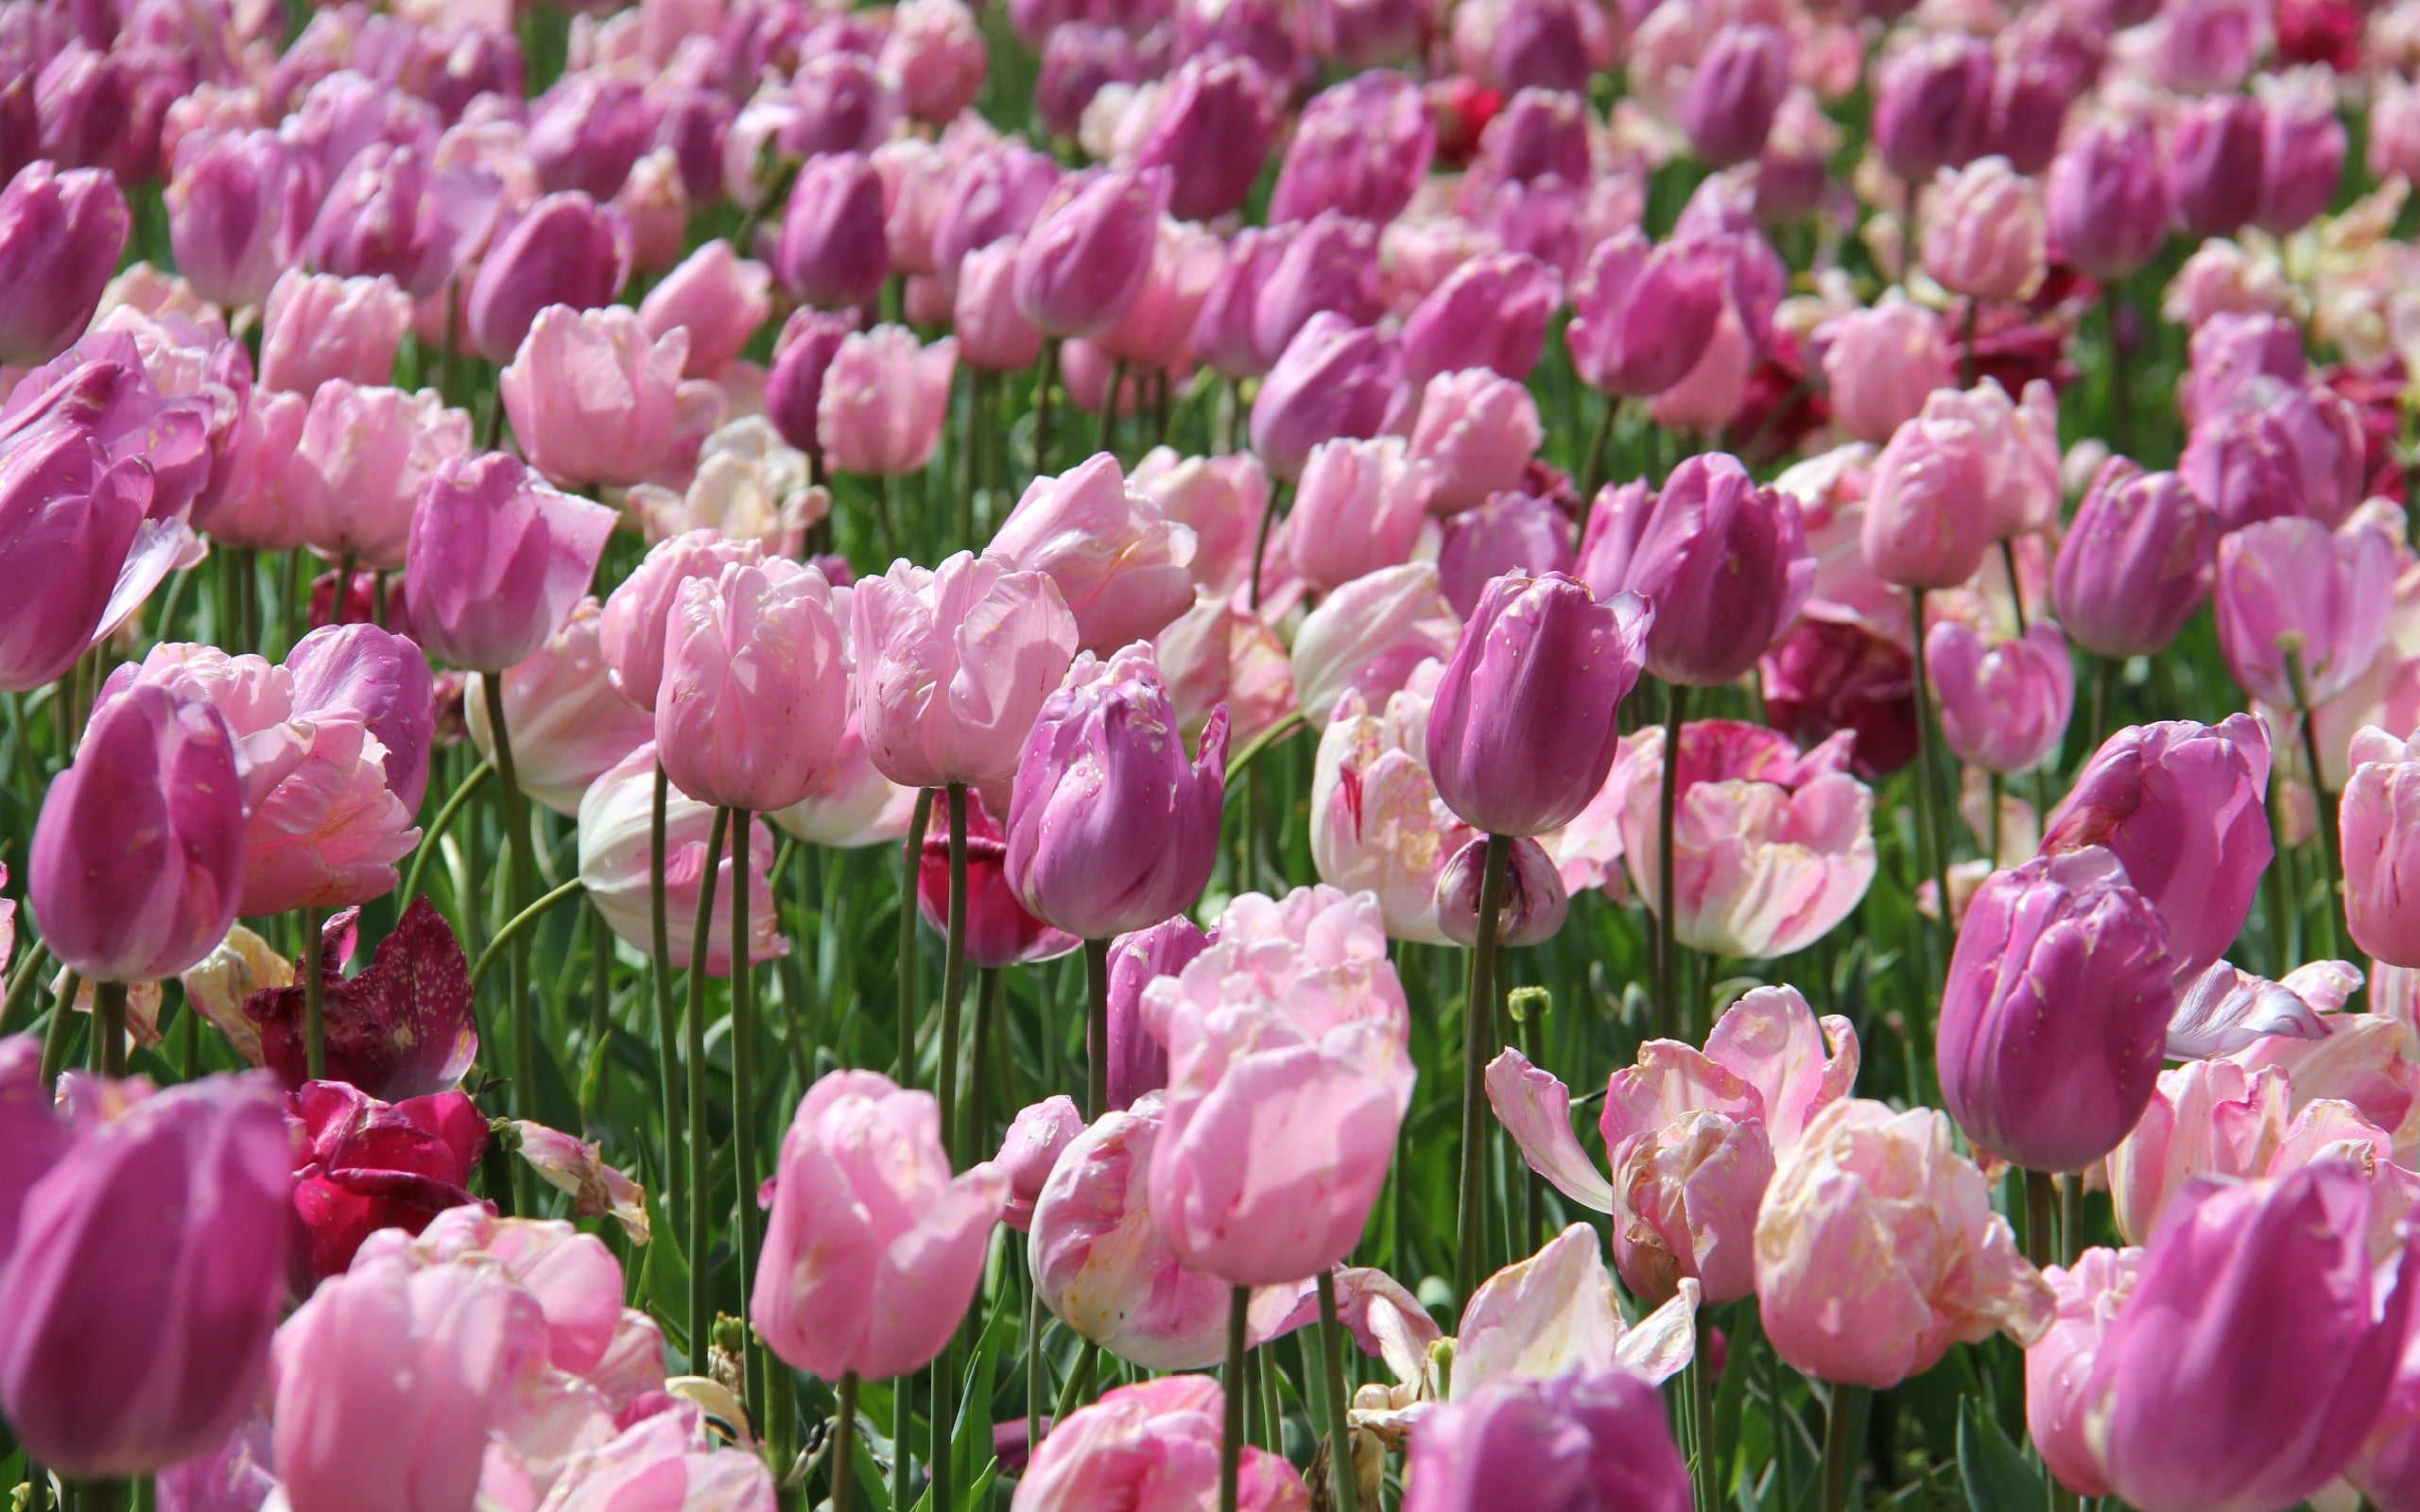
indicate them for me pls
(1376, 822)
(884, 399)
(1222, 498)
(356, 473)
(1218, 655)
(1121, 565)
(1369, 636)
(568, 726)
(594, 398)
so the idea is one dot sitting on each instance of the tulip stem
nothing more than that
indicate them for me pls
(668, 1013)
(1999, 786)
(2015, 592)
(1928, 812)
(109, 1028)
(21, 987)
(314, 993)
(1283, 729)
(701, 1317)
(1841, 1401)
(1109, 407)
(1269, 511)
(516, 836)
(1340, 1431)
(743, 1094)
(1701, 1464)
(978, 1076)
(2070, 1217)
(1592, 466)
(2041, 1202)
(1096, 1027)
(1966, 363)
(517, 927)
(1668, 950)
(1231, 1441)
(2333, 876)
(845, 1445)
(340, 600)
(438, 826)
(910, 859)
(954, 971)
(1478, 1014)
(62, 1024)
(1033, 1368)
(1048, 364)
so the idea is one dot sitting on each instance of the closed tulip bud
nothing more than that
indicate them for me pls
(1724, 562)
(2302, 610)
(2302, 151)
(883, 401)
(1158, 1440)
(1360, 507)
(1478, 431)
(1104, 766)
(862, 1166)
(1593, 1438)
(1642, 316)
(1510, 533)
(1927, 524)
(1138, 1063)
(2004, 707)
(1333, 380)
(1491, 312)
(2214, 164)
(497, 560)
(2137, 560)
(60, 234)
(1213, 127)
(156, 777)
(719, 296)
(1932, 104)
(999, 931)
(2269, 1282)
(68, 515)
(615, 823)
(794, 384)
(1987, 237)
(1361, 146)
(239, 210)
(363, 457)
(1534, 905)
(630, 633)
(318, 328)
(2381, 868)
(953, 666)
(832, 253)
(1878, 1249)
(1329, 263)
(1882, 363)
(1728, 108)
(564, 249)
(2182, 806)
(1522, 731)
(2107, 199)
(1088, 254)
(594, 398)
(754, 693)
(1371, 636)
(841, 102)
(1120, 564)
(2230, 355)
(2055, 1014)
(1539, 131)
(165, 1220)
(568, 725)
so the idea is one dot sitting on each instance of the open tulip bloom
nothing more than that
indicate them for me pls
(866, 738)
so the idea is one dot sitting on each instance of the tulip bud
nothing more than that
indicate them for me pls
(884, 400)
(1534, 901)
(754, 695)
(1088, 254)
(832, 253)
(1361, 147)
(2302, 152)
(497, 560)
(60, 234)
(565, 249)
(1491, 312)
(2302, 610)
(1737, 85)
(2137, 560)
(2003, 707)
(2107, 200)
(1926, 523)
(1522, 731)
(1335, 380)
(239, 209)
(1214, 125)
(2214, 167)
(1642, 316)
(318, 328)
(1932, 104)
(720, 297)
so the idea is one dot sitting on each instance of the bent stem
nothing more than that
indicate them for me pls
(668, 1012)
(315, 996)
(1096, 1027)
(437, 827)
(701, 1317)
(1592, 466)
(1230, 1440)
(1269, 511)
(1339, 1433)
(1667, 975)
(910, 857)
(1478, 1013)
(954, 971)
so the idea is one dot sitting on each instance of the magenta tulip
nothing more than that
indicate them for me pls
(497, 562)
(564, 249)
(1089, 252)
(240, 207)
(1594, 1437)
(1333, 380)
(1642, 316)
(2139, 559)
(2004, 708)
(60, 238)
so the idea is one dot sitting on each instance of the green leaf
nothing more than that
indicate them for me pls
(1994, 1471)
(1731, 1392)
(666, 1280)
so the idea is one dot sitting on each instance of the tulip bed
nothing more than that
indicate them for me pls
(1173, 755)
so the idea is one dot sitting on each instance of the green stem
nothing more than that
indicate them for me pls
(62, 1024)
(845, 1445)
(1701, 1409)
(516, 929)
(1592, 469)
(1268, 512)
(1109, 408)
(1096, 1027)
(516, 834)
(1837, 1451)
(701, 1317)
(978, 1078)
(109, 1028)
(2324, 806)
(2041, 1201)
(954, 971)
(911, 860)
(668, 1012)
(1048, 374)
(1479, 1015)
(1231, 1441)
(2016, 592)
(21, 987)
(1667, 989)
(743, 1094)
(314, 989)
(1928, 801)
(437, 827)
(2070, 1217)
(902, 1426)
(1340, 1431)
(1292, 724)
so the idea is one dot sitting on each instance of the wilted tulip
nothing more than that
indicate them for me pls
(2004, 707)
(1121, 566)
(884, 400)
(2137, 560)
(497, 562)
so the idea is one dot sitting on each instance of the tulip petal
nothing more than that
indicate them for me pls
(1535, 1109)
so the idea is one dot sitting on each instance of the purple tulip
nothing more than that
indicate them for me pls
(564, 249)
(1215, 121)
(1642, 314)
(1492, 312)
(239, 211)
(1137, 1062)
(2214, 164)
(2137, 560)
(1728, 108)
(497, 560)
(1932, 105)
(2107, 199)
(1336, 380)
(60, 238)
(1361, 147)
(1090, 252)
(1590, 1438)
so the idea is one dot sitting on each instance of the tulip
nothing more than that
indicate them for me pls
(2204, 1118)
(754, 694)
(157, 1238)
(1037, 1137)
(564, 249)
(2224, 1010)
(2004, 708)
(2230, 353)
(832, 253)
(937, 53)
(1138, 1063)
(69, 514)
(630, 631)
(1986, 237)
(1478, 431)
(1882, 363)
(60, 234)
(367, 1165)
(1642, 317)
(239, 209)
(2137, 560)
(362, 459)
(156, 775)
(840, 103)
(862, 1167)
(2056, 1012)
(2212, 1289)
(749, 487)
(994, 195)
(1156, 332)
(1221, 655)
(1360, 507)
(2277, 452)
(1534, 904)
(1333, 380)
(1377, 823)
(1088, 254)
(1931, 105)
(794, 384)
(1827, 677)
(595, 398)
(719, 296)
(998, 930)
(497, 562)
(1491, 312)
(993, 333)
(1772, 848)
(1508, 755)
(1594, 1437)
(2058, 1368)
(1215, 121)
(2377, 846)
(2214, 164)
(2107, 200)
(318, 328)
(1876, 1250)
(1926, 524)
(938, 706)
(1724, 562)
(884, 400)
(584, 133)
(1737, 85)
(1371, 636)
(2302, 152)
(1102, 767)
(401, 1028)
(2302, 610)
(1227, 328)
(1510, 533)
(1361, 146)
(615, 823)
(1221, 498)
(1295, 1015)
(1157, 1439)
(568, 726)
(1328, 263)
(1120, 564)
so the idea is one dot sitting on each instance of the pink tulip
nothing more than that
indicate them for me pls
(719, 297)
(1878, 1249)
(660, 1463)
(883, 401)
(1360, 507)
(594, 398)
(318, 327)
(1089, 252)
(953, 665)
(1037, 1137)
(2302, 610)
(749, 486)
(1337, 380)
(630, 633)
(2137, 560)
(1156, 331)
(993, 333)
(1882, 363)
(873, 1248)
(1511, 533)
(2003, 707)
(2058, 1368)
(1361, 146)
(2205, 1118)
(567, 724)
(359, 466)
(1156, 1440)
(1737, 84)
(1986, 237)
(497, 562)
(69, 515)
(994, 195)
(1215, 121)
(1119, 563)
(654, 204)
(1491, 312)
(60, 238)
(1293, 1015)
(2378, 834)
(615, 821)
(1708, 397)
(754, 695)
(937, 51)
(255, 480)
(1478, 431)
(832, 253)
(1222, 498)
(1594, 1437)
(1371, 636)
(1642, 316)
(1926, 524)
(1219, 654)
